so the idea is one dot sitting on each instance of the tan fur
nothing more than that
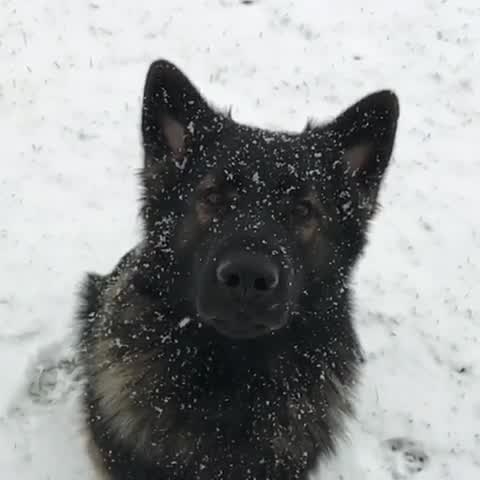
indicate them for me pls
(113, 383)
(208, 181)
(315, 201)
(203, 214)
(187, 231)
(310, 231)
(195, 221)
(202, 211)
(113, 380)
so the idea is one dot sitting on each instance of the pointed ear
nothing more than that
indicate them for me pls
(173, 113)
(366, 133)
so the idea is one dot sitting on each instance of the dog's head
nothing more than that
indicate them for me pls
(257, 223)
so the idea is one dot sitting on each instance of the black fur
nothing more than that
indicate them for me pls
(169, 394)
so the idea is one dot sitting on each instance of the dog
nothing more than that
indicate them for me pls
(222, 346)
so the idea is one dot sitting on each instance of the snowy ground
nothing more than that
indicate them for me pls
(71, 76)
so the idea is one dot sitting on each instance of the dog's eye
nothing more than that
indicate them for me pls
(302, 209)
(214, 198)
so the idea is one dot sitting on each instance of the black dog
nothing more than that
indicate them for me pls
(222, 346)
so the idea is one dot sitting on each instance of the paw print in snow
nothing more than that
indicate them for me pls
(405, 457)
(52, 381)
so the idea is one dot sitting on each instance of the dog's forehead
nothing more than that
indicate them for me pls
(262, 157)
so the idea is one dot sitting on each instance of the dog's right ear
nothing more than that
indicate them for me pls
(174, 114)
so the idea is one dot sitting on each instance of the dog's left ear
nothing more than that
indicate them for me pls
(365, 133)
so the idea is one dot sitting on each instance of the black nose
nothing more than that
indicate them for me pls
(246, 275)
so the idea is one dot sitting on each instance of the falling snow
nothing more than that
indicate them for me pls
(70, 91)
(184, 322)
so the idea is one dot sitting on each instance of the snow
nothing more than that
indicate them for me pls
(71, 77)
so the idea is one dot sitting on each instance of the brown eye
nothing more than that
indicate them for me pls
(303, 209)
(214, 198)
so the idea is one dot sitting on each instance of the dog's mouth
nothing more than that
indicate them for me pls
(244, 325)
(238, 333)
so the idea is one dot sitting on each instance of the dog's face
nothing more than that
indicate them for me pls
(258, 221)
